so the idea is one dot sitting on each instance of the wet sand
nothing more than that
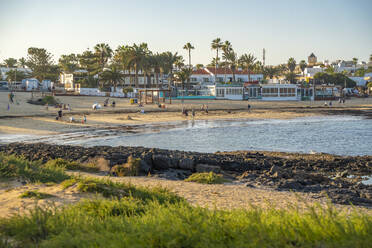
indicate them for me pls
(25, 118)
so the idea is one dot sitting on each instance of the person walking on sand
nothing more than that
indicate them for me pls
(206, 109)
(249, 108)
(193, 113)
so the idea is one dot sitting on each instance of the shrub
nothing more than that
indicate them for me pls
(131, 168)
(50, 100)
(207, 178)
(61, 163)
(12, 166)
(35, 194)
(119, 190)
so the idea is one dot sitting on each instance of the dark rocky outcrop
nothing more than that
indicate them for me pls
(316, 173)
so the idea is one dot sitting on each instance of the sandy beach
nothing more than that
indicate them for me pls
(25, 118)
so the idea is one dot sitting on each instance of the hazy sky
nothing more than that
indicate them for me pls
(332, 29)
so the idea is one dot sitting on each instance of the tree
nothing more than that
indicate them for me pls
(370, 58)
(169, 60)
(40, 62)
(112, 76)
(291, 77)
(22, 62)
(69, 63)
(329, 70)
(334, 78)
(270, 71)
(355, 61)
(10, 62)
(199, 66)
(103, 53)
(291, 64)
(247, 62)
(183, 76)
(89, 62)
(303, 65)
(226, 48)
(188, 47)
(216, 45)
(232, 60)
(214, 63)
(136, 58)
(12, 75)
(360, 72)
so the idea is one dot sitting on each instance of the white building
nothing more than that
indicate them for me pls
(30, 84)
(311, 71)
(349, 66)
(4, 70)
(228, 91)
(208, 75)
(279, 92)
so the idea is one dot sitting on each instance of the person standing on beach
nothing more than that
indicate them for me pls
(249, 108)
(206, 109)
(193, 113)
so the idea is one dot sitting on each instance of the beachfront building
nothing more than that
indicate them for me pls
(229, 91)
(30, 84)
(252, 90)
(279, 92)
(327, 92)
(207, 76)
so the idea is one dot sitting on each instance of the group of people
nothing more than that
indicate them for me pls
(106, 103)
(71, 119)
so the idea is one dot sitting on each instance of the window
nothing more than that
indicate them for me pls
(205, 80)
(193, 79)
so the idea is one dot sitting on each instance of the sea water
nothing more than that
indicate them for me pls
(341, 135)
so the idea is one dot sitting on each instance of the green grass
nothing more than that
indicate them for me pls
(61, 163)
(32, 171)
(116, 190)
(35, 194)
(131, 222)
(207, 178)
(141, 217)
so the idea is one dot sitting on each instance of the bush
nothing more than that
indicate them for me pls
(119, 190)
(61, 163)
(50, 100)
(12, 166)
(35, 194)
(207, 178)
(131, 168)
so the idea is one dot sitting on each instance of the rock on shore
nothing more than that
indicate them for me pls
(318, 173)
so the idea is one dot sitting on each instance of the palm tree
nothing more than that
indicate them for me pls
(10, 62)
(169, 60)
(370, 58)
(136, 58)
(22, 62)
(216, 45)
(232, 60)
(291, 64)
(183, 76)
(113, 76)
(270, 71)
(103, 53)
(226, 48)
(199, 66)
(303, 65)
(188, 47)
(247, 62)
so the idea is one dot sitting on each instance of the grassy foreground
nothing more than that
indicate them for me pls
(131, 216)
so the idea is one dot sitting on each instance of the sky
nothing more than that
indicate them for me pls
(331, 29)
